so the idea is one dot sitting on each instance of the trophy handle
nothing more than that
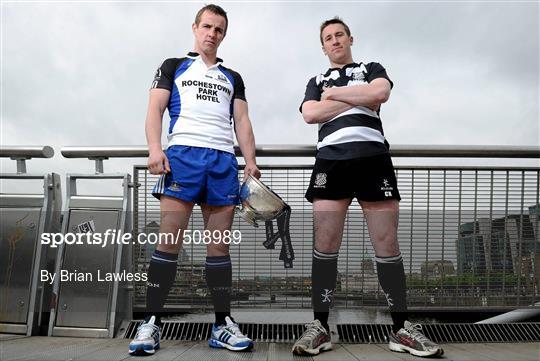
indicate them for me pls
(246, 216)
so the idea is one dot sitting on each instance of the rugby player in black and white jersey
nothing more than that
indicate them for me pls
(199, 166)
(353, 161)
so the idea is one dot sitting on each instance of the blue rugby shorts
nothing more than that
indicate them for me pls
(200, 175)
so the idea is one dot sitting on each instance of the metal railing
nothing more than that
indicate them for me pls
(468, 236)
(294, 150)
(23, 153)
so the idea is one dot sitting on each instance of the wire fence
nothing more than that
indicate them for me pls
(468, 237)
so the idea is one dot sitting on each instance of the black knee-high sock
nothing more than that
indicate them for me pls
(323, 284)
(161, 275)
(219, 281)
(392, 279)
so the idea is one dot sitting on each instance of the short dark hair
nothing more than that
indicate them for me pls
(334, 20)
(214, 9)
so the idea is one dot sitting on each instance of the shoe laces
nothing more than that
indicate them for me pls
(235, 330)
(416, 332)
(146, 330)
(313, 328)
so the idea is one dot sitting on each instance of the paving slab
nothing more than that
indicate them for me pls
(86, 349)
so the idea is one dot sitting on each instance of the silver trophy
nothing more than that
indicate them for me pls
(259, 203)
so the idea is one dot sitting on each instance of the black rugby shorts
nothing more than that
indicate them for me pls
(368, 179)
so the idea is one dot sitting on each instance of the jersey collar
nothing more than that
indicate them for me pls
(351, 65)
(194, 55)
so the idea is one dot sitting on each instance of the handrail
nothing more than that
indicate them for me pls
(21, 153)
(26, 152)
(296, 150)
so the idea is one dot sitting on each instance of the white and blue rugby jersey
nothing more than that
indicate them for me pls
(201, 101)
(357, 132)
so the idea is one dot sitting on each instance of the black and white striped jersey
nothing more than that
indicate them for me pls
(357, 132)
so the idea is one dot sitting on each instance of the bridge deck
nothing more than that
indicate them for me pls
(67, 348)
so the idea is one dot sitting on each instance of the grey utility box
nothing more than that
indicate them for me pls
(24, 217)
(88, 302)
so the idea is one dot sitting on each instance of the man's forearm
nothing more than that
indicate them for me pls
(324, 110)
(360, 95)
(246, 141)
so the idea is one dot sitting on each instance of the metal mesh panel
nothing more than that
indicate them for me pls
(468, 236)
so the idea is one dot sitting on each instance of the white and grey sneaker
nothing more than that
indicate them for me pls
(411, 339)
(146, 341)
(230, 337)
(314, 340)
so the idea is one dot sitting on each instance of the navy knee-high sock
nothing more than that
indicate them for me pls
(219, 281)
(391, 276)
(161, 275)
(323, 284)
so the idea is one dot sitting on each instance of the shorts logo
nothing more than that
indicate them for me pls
(320, 180)
(386, 188)
(175, 187)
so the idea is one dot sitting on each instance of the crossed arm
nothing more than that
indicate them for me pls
(335, 101)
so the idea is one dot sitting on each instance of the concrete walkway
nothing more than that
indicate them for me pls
(14, 347)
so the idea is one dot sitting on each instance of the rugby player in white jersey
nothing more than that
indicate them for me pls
(205, 101)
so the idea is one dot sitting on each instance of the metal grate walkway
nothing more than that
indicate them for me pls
(356, 333)
(446, 333)
(196, 331)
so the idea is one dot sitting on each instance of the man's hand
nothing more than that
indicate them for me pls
(253, 170)
(158, 162)
(326, 94)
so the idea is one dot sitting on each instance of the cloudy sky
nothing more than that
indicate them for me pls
(78, 73)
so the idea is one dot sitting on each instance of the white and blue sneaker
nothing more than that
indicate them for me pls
(146, 341)
(230, 337)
